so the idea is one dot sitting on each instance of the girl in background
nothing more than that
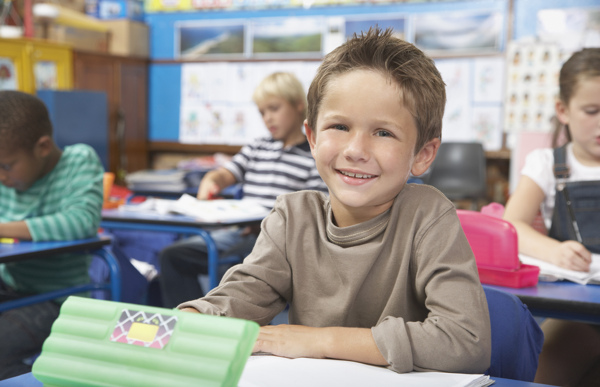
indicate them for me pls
(564, 183)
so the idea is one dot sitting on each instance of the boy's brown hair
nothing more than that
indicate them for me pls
(24, 120)
(422, 88)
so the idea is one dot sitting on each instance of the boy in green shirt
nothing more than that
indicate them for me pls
(46, 194)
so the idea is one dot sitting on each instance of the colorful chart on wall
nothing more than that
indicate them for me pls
(211, 113)
(46, 76)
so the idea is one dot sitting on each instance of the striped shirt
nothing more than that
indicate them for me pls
(65, 204)
(266, 170)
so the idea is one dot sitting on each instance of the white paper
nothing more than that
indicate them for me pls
(224, 210)
(550, 272)
(274, 371)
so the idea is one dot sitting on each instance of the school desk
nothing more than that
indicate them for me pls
(561, 299)
(28, 380)
(179, 224)
(32, 250)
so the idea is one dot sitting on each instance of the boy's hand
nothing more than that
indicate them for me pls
(572, 255)
(208, 190)
(291, 341)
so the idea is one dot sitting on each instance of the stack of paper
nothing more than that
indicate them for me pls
(550, 272)
(273, 371)
(157, 180)
(213, 211)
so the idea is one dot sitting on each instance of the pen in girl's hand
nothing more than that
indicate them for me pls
(9, 240)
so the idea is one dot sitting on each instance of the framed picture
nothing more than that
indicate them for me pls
(359, 25)
(455, 33)
(223, 39)
(288, 37)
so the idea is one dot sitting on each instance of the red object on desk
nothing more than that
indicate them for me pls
(495, 245)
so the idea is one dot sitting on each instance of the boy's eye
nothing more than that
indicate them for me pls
(5, 167)
(591, 112)
(340, 127)
(384, 133)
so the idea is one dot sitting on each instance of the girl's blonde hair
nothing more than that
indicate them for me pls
(582, 65)
(283, 85)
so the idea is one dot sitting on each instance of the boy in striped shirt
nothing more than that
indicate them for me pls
(46, 194)
(267, 168)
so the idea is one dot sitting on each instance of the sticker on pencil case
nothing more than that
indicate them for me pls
(144, 329)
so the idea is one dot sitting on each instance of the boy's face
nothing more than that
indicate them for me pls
(20, 168)
(282, 119)
(364, 144)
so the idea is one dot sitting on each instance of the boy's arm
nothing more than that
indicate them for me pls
(355, 344)
(214, 181)
(80, 206)
(521, 210)
(17, 230)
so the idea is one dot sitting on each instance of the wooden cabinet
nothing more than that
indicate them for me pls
(125, 81)
(30, 64)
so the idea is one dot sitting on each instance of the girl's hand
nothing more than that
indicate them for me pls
(572, 255)
(291, 341)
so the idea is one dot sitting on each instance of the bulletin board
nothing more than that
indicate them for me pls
(193, 53)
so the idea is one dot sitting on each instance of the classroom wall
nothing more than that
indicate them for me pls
(165, 69)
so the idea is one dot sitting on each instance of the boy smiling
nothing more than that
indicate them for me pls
(379, 272)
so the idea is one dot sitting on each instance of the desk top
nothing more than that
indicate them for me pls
(121, 216)
(27, 249)
(28, 380)
(561, 299)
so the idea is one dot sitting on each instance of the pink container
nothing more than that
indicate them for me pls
(495, 245)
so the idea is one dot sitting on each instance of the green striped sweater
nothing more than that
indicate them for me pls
(65, 204)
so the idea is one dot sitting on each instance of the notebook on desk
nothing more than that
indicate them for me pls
(99, 343)
(550, 272)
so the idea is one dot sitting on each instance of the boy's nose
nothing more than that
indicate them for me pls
(357, 146)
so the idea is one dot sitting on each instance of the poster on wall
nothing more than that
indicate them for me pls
(8, 75)
(572, 28)
(45, 73)
(210, 39)
(474, 97)
(531, 86)
(357, 25)
(452, 33)
(216, 99)
(288, 37)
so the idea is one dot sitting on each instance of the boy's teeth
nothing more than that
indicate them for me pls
(357, 175)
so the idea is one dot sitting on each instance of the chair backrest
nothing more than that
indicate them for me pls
(517, 338)
(459, 170)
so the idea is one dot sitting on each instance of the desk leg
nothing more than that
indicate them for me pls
(114, 270)
(213, 259)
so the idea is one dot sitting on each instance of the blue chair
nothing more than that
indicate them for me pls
(517, 338)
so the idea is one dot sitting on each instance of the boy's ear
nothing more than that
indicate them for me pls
(562, 112)
(311, 137)
(425, 157)
(43, 146)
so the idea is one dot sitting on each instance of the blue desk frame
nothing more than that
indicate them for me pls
(129, 220)
(563, 300)
(31, 250)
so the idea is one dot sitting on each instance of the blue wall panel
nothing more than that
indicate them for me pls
(164, 99)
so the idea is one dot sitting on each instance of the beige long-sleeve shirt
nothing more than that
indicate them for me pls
(408, 274)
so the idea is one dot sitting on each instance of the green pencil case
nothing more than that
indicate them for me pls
(105, 343)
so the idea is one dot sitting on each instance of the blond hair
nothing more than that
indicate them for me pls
(283, 85)
(422, 88)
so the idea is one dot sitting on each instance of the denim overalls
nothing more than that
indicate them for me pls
(576, 208)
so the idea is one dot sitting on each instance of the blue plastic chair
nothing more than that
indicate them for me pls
(517, 338)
